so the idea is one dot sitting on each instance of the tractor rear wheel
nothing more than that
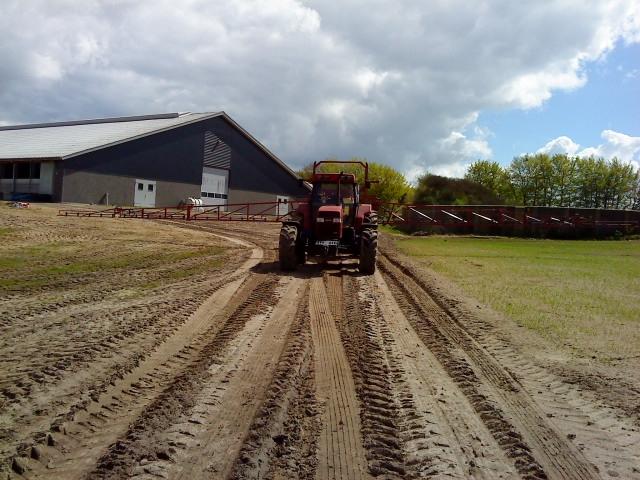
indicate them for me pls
(368, 251)
(287, 248)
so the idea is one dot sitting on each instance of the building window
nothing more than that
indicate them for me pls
(140, 186)
(35, 170)
(150, 187)
(22, 170)
(6, 170)
(213, 195)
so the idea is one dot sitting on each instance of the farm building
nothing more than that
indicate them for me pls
(153, 160)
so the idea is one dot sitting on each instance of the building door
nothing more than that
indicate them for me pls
(145, 193)
(283, 205)
(215, 186)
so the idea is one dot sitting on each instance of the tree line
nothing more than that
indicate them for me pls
(560, 181)
(530, 180)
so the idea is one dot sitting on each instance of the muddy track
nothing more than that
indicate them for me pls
(179, 396)
(65, 437)
(537, 449)
(321, 374)
(564, 431)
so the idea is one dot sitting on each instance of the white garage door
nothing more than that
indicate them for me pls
(215, 186)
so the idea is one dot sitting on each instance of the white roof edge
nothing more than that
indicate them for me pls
(141, 135)
(92, 121)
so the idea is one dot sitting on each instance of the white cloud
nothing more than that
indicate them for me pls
(561, 144)
(616, 144)
(465, 150)
(455, 169)
(400, 81)
(632, 74)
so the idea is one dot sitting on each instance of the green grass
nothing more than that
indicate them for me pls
(584, 295)
(34, 266)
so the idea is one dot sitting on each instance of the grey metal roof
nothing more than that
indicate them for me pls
(68, 139)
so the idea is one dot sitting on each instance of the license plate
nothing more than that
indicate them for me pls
(327, 243)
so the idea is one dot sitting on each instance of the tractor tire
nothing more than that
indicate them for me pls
(368, 251)
(301, 252)
(287, 248)
(370, 218)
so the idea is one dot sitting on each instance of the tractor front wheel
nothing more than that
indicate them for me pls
(287, 248)
(368, 251)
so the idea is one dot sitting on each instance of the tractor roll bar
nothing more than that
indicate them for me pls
(365, 165)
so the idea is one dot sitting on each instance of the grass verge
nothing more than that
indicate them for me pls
(584, 295)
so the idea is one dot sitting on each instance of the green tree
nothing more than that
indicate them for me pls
(438, 190)
(389, 185)
(492, 176)
(635, 196)
(563, 171)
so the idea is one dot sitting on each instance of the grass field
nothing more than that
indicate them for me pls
(41, 250)
(584, 295)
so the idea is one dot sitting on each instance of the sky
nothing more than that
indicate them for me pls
(421, 86)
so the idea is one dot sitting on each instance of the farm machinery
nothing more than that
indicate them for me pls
(332, 222)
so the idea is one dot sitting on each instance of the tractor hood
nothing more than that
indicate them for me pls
(328, 223)
(330, 211)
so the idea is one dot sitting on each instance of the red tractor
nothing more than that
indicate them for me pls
(331, 222)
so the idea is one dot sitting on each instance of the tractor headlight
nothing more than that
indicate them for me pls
(319, 219)
(336, 219)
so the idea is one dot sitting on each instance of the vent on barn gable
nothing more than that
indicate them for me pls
(217, 154)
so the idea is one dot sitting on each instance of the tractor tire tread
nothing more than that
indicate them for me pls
(287, 248)
(368, 251)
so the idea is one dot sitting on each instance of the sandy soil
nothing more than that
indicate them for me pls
(323, 374)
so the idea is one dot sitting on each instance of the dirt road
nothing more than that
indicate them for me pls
(323, 374)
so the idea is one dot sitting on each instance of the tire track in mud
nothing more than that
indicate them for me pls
(606, 434)
(43, 308)
(71, 391)
(204, 440)
(536, 448)
(607, 439)
(456, 440)
(393, 431)
(139, 444)
(341, 454)
(79, 436)
(282, 440)
(118, 329)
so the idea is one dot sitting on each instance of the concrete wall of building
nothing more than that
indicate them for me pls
(170, 194)
(89, 187)
(6, 187)
(96, 188)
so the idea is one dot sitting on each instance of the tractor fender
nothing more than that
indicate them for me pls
(364, 209)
